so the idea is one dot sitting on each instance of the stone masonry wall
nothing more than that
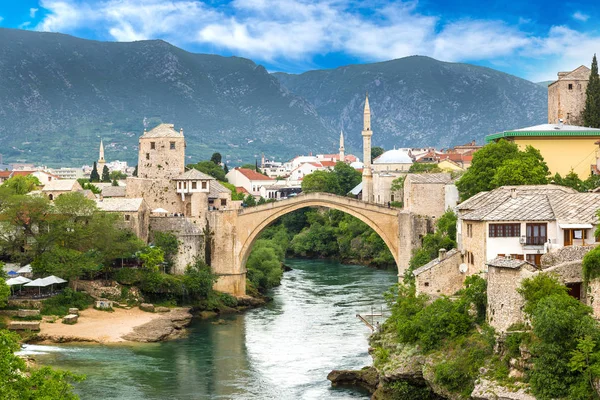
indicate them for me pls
(158, 193)
(190, 236)
(566, 104)
(441, 277)
(425, 198)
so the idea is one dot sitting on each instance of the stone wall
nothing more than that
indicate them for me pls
(190, 236)
(441, 277)
(505, 304)
(565, 254)
(158, 193)
(161, 162)
(475, 244)
(425, 198)
(412, 228)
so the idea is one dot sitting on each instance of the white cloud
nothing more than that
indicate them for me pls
(25, 25)
(581, 16)
(295, 31)
(1, 19)
(32, 12)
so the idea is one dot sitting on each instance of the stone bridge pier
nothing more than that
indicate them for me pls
(235, 231)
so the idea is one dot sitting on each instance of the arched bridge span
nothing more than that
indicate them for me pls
(237, 232)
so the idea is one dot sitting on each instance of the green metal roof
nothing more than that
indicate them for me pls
(557, 133)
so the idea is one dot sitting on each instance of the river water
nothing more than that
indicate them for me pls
(282, 351)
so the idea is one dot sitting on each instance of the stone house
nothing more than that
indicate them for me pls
(249, 179)
(55, 188)
(429, 194)
(135, 213)
(566, 96)
(517, 222)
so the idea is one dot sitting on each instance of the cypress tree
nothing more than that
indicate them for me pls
(135, 171)
(591, 112)
(94, 176)
(225, 168)
(105, 174)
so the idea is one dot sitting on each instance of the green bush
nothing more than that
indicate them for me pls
(591, 265)
(60, 304)
(403, 390)
(129, 276)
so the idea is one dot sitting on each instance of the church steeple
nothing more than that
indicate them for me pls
(342, 152)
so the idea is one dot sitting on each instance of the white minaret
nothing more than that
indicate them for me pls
(342, 153)
(101, 161)
(367, 177)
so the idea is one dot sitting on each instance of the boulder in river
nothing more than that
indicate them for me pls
(367, 378)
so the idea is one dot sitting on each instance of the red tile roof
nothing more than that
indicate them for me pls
(240, 189)
(5, 174)
(328, 163)
(22, 173)
(253, 175)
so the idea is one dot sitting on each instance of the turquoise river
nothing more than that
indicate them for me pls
(281, 351)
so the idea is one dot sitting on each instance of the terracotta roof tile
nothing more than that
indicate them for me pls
(253, 175)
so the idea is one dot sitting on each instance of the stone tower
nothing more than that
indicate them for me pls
(161, 153)
(566, 96)
(342, 152)
(101, 161)
(367, 177)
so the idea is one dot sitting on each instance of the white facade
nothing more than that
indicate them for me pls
(250, 180)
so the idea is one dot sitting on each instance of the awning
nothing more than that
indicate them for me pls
(160, 211)
(25, 270)
(575, 226)
(17, 281)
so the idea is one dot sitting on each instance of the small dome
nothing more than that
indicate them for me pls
(393, 157)
(357, 165)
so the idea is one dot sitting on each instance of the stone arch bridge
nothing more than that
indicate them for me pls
(235, 231)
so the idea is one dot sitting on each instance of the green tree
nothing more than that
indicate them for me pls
(591, 111)
(488, 169)
(4, 293)
(169, 244)
(105, 174)
(249, 166)
(264, 265)
(376, 152)
(320, 181)
(117, 175)
(225, 169)
(527, 168)
(152, 258)
(22, 382)
(66, 263)
(199, 279)
(210, 168)
(135, 171)
(216, 158)
(250, 201)
(94, 175)
(346, 176)
(22, 184)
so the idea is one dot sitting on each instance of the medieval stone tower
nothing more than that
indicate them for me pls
(161, 153)
(367, 177)
(566, 96)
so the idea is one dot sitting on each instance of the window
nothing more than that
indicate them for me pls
(194, 185)
(172, 145)
(203, 184)
(570, 86)
(49, 178)
(505, 230)
(536, 234)
(469, 230)
(223, 202)
(147, 156)
(152, 145)
(127, 217)
(393, 197)
(51, 197)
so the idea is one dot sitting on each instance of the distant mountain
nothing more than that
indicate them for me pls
(544, 83)
(419, 101)
(59, 95)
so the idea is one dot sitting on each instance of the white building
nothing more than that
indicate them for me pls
(249, 179)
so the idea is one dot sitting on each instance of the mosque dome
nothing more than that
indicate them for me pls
(396, 156)
(357, 165)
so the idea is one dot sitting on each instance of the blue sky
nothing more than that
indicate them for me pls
(532, 39)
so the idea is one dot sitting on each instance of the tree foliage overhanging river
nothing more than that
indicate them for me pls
(282, 351)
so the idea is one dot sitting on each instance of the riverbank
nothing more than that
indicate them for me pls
(118, 326)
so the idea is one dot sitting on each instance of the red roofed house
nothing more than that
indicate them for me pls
(249, 179)
(308, 168)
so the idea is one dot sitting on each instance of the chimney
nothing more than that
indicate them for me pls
(513, 193)
(441, 254)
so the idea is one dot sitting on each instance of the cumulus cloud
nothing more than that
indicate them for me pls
(32, 12)
(580, 16)
(285, 31)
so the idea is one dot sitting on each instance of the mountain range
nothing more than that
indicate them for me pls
(60, 94)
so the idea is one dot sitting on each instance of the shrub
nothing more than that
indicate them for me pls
(128, 276)
(60, 304)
